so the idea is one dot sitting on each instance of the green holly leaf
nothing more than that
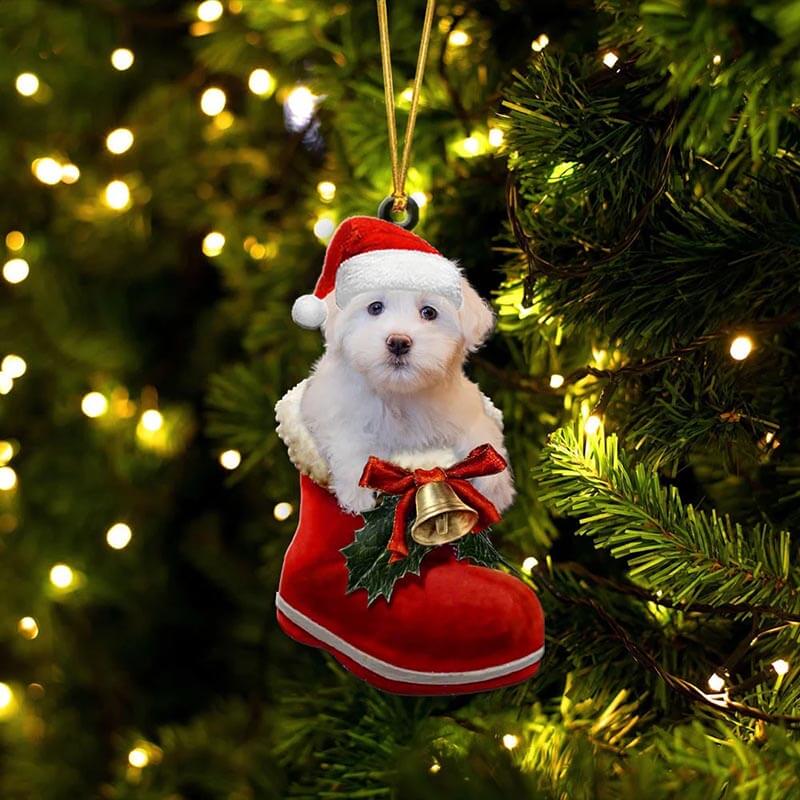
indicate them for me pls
(367, 558)
(478, 548)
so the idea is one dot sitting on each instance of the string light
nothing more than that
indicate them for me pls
(592, 424)
(119, 535)
(6, 452)
(213, 243)
(717, 60)
(326, 191)
(780, 666)
(138, 757)
(70, 173)
(282, 511)
(716, 683)
(230, 459)
(556, 381)
(122, 59)
(94, 404)
(510, 741)
(496, 137)
(15, 270)
(741, 347)
(212, 101)
(459, 39)
(152, 420)
(8, 479)
(610, 59)
(119, 140)
(14, 366)
(209, 10)
(62, 576)
(434, 768)
(471, 145)
(6, 696)
(540, 42)
(324, 228)
(47, 170)
(530, 564)
(261, 82)
(406, 95)
(15, 240)
(28, 627)
(299, 107)
(117, 195)
(6, 383)
(27, 84)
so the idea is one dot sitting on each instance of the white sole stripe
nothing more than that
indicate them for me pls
(401, 674)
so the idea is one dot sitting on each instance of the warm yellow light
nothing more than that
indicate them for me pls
(70, 173)
(94, 404)
(459, 39)
(213, 243)
(6, 696)
(257, 251)
(119, 535)
(62, 576)
(592, 424)
(15, 270)
(434, 768)
(152, 420)
(27, 84)
(741, 347)
(540, 42)
(324, 228)
(230, 459)
(420, 198)
(556, 381)
(223, 120)
(299, 107)
(15, 240)
(117, 195)
(610, 59)
(530, 564)
(209, 10)
(14, 366)
(496, 137)
(716, 683)
(471, 145)
(6, 383)
(122, 59)
(406, 95)
(282, 511)
(28, 627)
(261, 82)
(212, 101)
(8, 479)
(6, 452)
(510, 741)
(47, 170)
(717, 59)
(119, 140)
(326, 191)
(780, 666)
(138, 757)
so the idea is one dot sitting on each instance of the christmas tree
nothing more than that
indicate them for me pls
(622, 179)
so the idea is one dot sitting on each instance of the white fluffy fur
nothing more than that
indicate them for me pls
(362, 401)
(397, 269)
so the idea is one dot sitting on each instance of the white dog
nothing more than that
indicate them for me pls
(391, 382)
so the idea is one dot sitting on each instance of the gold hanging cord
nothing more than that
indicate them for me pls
(400, 167)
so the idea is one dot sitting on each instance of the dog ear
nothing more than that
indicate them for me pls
(476, 317)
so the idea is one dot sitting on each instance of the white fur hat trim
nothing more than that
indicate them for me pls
(309, 311)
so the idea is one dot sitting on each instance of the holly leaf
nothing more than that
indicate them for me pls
(478, 548)
(367, 558)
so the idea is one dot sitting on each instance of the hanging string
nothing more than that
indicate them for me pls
(400, 166)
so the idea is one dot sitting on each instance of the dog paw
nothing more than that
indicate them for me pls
(356, 500)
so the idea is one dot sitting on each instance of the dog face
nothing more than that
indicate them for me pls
(403, 341)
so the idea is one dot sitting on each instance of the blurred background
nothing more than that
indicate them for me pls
(620, 179)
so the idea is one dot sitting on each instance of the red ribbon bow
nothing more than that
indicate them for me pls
(391, 479)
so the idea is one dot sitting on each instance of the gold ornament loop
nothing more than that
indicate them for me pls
(400, 166)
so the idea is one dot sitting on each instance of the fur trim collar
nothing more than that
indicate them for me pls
(305, 456)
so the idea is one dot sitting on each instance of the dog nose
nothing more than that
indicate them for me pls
(399, 344)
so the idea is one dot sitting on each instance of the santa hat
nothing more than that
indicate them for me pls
(367, 254)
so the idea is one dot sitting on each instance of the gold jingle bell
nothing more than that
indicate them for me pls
(441, 515)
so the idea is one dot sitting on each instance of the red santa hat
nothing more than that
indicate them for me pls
(367, 254)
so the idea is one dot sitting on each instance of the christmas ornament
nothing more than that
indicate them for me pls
(402, 467)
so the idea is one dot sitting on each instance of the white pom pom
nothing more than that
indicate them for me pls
(309, 311)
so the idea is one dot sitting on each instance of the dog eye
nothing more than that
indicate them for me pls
(375, 308)
(428, 312)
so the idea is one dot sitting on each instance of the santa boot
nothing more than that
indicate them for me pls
(453, 629)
